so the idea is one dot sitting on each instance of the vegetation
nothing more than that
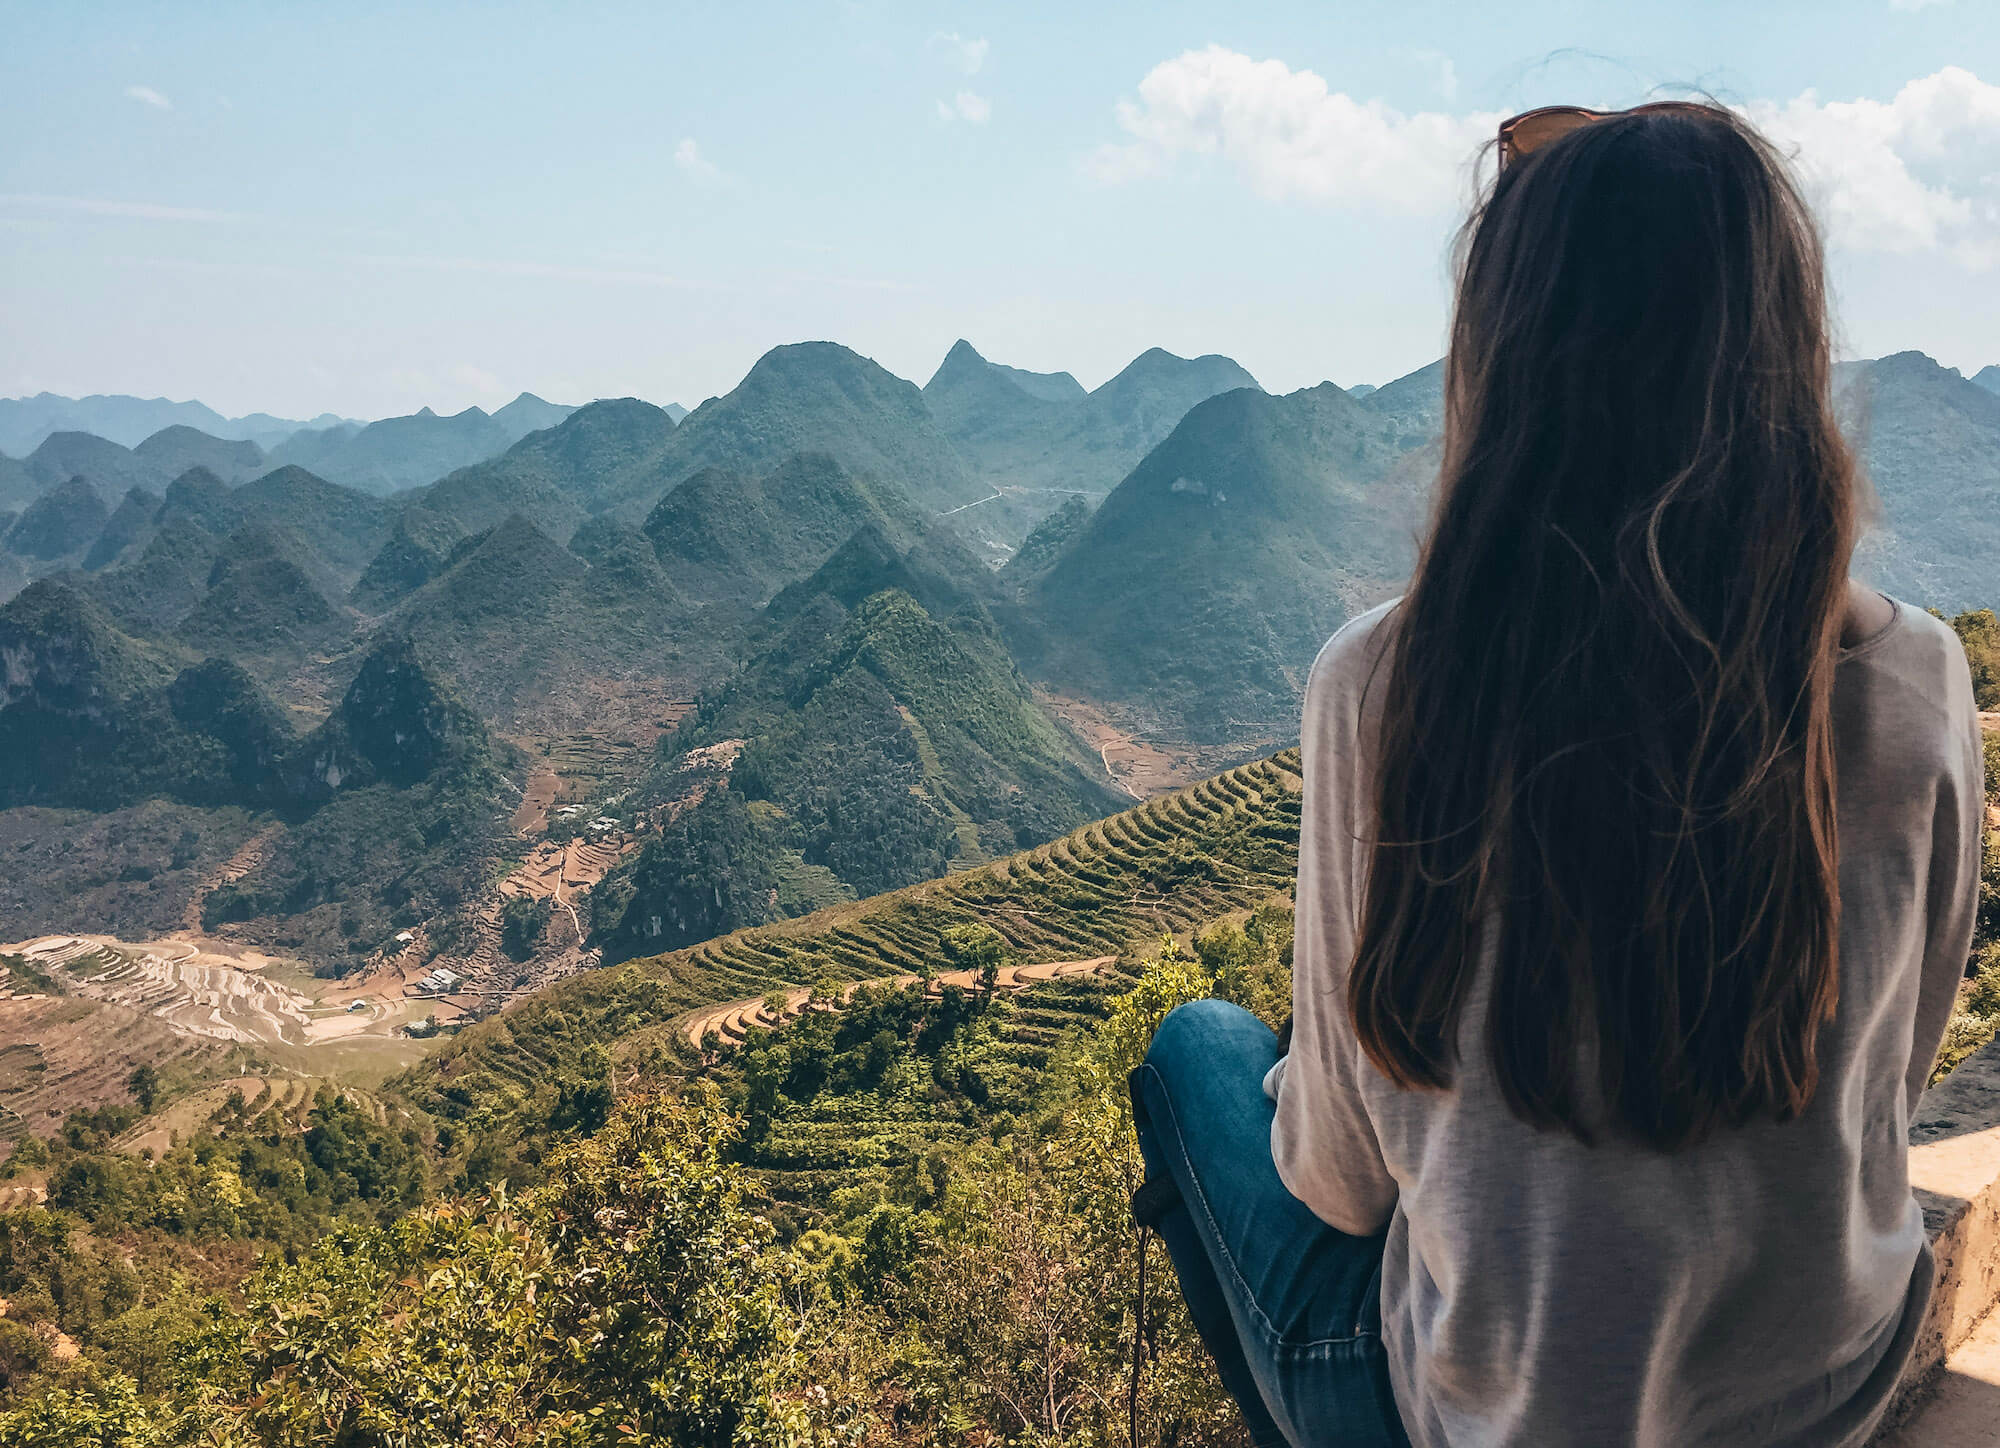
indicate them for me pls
(891, 744)
(1210, 576)
(987, 1295)
(1175, 863)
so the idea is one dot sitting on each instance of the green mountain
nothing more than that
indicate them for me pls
(93, 717)
(129, 526)
(173, 450)
(807, 397)
(65, 455)
(982, 405)
(553, 477)
(529, 627)
(397, 452)
(1046, 542)
(342, 526)
(731, 536)
(261, 600)
(937, 570)
(1206, 582)
(1412, 406)
(61, 523)
(396, 805)
(153, 593)
(879, 745)
(1929, 441)
(396, 725)
(1038, 438)
(418, 547)
(202, 500)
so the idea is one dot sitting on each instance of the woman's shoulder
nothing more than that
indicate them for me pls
(1356, 645)
(1347, 662)
(1919, 652)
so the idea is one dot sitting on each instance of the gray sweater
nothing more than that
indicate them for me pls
(1761, 1288)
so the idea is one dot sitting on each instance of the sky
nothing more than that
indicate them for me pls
(366, 209)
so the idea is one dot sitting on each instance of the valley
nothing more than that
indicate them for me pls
(815, 792)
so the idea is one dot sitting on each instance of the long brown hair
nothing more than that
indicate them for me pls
(1606, 732)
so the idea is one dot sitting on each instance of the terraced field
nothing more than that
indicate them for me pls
(290, 1096)
(67, 1053)
(1180, 859)
(838, 1142)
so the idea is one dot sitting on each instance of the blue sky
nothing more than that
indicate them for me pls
(369, 208)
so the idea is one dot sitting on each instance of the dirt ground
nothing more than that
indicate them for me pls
(1139, 760)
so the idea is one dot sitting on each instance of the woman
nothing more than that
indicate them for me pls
(1637, 872)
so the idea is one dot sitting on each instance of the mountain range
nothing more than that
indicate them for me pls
(26, 421)
(857, 614)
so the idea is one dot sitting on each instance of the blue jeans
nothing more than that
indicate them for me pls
(1289, 1307)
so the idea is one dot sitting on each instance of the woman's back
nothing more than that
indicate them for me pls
(1758, 1286)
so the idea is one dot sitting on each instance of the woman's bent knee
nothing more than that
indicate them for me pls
(1207, 1033)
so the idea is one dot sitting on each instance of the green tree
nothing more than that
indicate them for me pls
(977, 948)
(144, 1084)
(1979, 631)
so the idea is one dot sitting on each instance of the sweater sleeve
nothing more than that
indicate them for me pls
(1951, 902)
(1322, 1139)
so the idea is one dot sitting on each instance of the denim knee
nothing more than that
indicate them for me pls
(1197, 1032)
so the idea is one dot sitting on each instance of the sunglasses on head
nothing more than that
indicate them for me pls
(1528, 132)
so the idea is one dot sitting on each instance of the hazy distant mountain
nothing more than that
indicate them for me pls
(18, 486)
(675, 411)
(111, 466)
(552, 477)
(60, 523)
(25, 421)
(173, 450)
(1930, 442)
(528, 413)
(397, 452)
(1988, 377)
(1205, 583)
(808, 397)
(1039, 437)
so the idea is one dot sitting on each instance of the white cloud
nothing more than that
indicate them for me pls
(687, 156)
(966, 106)
(966, 55)
(1290, 136)
(1919, 173)
(1916, 174)
(146, 95)
(90, 206)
